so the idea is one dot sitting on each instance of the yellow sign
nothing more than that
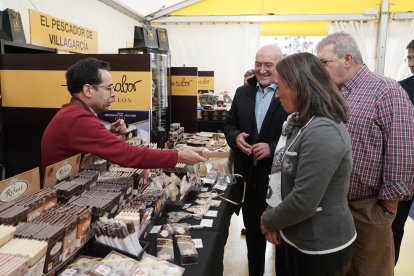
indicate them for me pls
(133, 90)
(205, 83)
(47, 89)
(53, 32)
(184, 86)
(40, 88)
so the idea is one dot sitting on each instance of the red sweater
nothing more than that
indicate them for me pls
(76, 130)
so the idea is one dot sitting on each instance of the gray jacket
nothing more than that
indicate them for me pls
(314, 215)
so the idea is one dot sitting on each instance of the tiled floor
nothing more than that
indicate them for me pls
(235, 256)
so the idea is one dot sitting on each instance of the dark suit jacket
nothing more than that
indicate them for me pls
(241, 118)
(408, 85)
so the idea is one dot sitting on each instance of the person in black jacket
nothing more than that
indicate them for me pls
(405, 205)
(252, 130)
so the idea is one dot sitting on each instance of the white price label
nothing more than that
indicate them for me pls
(198, 243)
(215, 203)
(204, 189)
(207, 222)
(155, 229)
(211, 213)
(187, 205)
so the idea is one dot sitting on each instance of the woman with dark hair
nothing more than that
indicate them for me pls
(311, 169)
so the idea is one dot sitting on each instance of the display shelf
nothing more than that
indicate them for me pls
(10, 47)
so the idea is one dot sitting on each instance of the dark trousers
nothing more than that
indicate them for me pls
(398, 225)
(332, 264)
(280, 260)
(253, 208)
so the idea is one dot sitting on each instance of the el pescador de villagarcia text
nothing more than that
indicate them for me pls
(65, 27)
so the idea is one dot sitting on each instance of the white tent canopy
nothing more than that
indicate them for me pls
(223, 36)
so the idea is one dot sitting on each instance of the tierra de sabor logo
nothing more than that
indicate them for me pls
(181, 83)
(203, 81)
(126, 86)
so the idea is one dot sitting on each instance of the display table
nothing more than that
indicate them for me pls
(210, 258)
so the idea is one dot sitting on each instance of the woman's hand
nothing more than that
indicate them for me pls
(273, 237)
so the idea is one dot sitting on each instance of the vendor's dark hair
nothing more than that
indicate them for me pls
(317, 94)
(85, 71)
(410, 45)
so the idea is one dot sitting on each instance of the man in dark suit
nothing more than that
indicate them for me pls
(405, 205)
(252, 130)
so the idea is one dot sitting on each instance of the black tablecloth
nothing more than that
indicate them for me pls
(210, 259)
(207, 259)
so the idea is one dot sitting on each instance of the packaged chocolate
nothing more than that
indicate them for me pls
(34, 250)
(103, 203)
(186, 248)
(165, 247)
(115, 263)
(6, 233)
(88, 174)
(14, 214)
(99, 165)
(38, 202)
(13, 265)
(82, 266)
(152, 266)
(66, 220)
(69, 241)
(53, 234)
(174, 217)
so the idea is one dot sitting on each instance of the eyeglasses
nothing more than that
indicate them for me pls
(267, 65)
(109, 88)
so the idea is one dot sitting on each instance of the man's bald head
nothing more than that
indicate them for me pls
(271, 50)
(265, 66)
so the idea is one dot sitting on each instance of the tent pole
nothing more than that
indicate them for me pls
(382, 36)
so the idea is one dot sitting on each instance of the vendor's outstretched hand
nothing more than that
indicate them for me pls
(118, 127)
(191, 156)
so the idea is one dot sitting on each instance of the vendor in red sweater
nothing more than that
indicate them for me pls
(77, 129)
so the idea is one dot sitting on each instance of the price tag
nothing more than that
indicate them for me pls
(215, 203)
(187, 205)
(198, 243)
(211, 213)
(155, 229)
(207, 222)
(204, 189)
